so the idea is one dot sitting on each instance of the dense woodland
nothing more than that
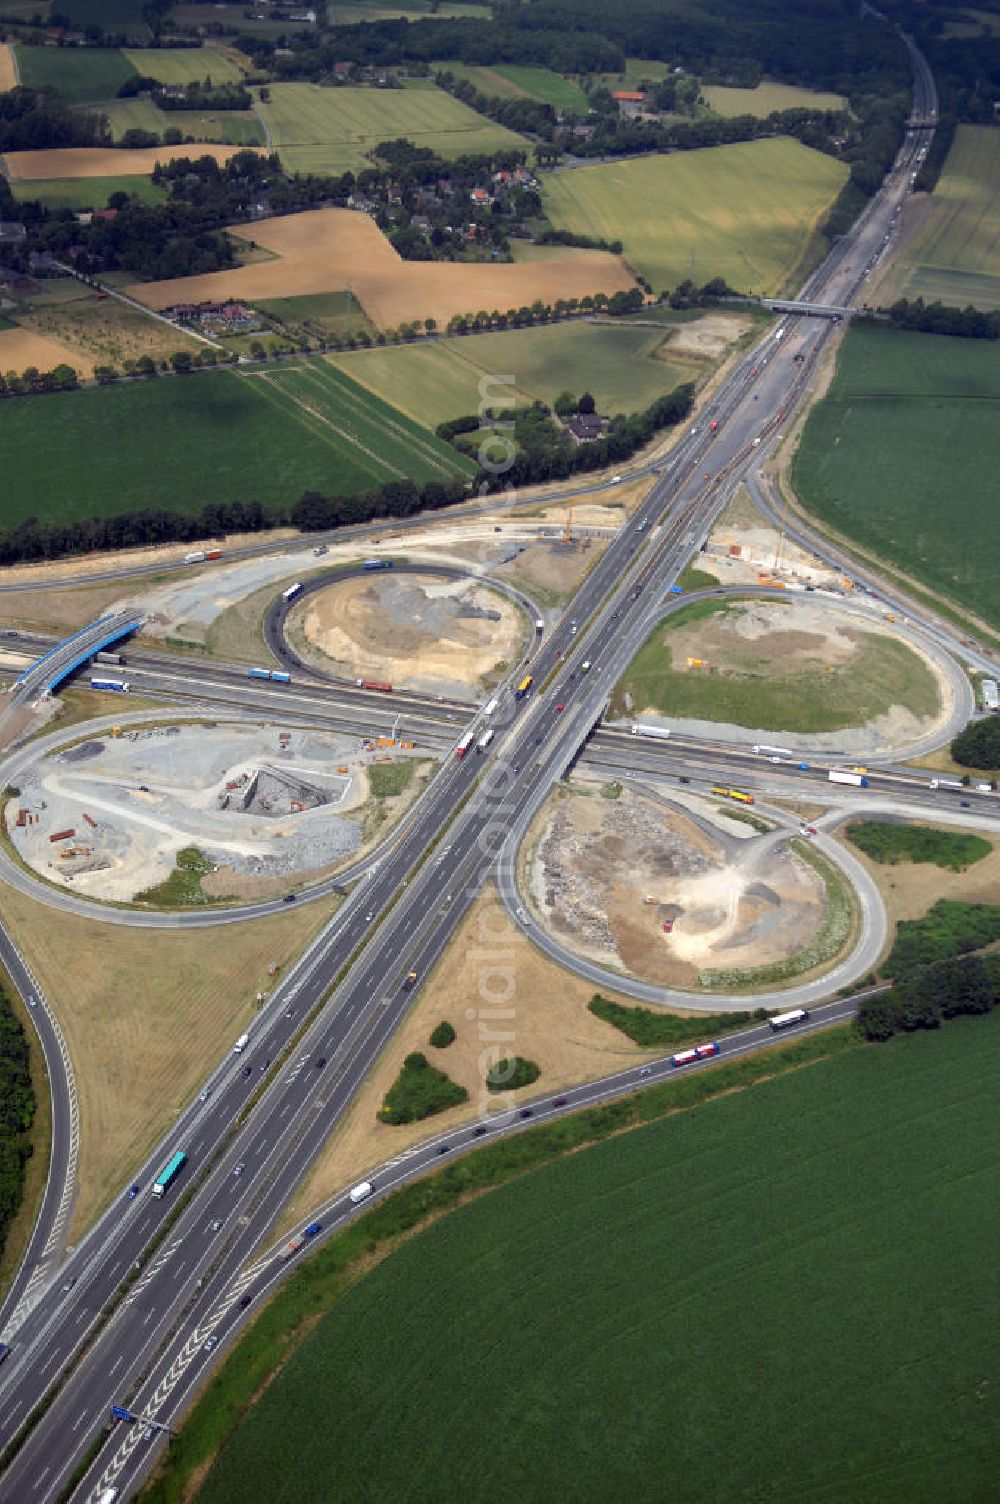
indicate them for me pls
(17, 1112)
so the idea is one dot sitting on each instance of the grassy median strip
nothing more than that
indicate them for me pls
(318, 1283)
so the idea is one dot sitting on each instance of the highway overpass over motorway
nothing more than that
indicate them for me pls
(62, 660)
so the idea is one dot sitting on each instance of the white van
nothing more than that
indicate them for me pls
(241, 1044)
(361, 1192)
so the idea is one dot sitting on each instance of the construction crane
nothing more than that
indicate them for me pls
(568, 530)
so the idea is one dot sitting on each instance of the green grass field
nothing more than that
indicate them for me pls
(619, 365)
(745, 212)
(783, 1295)
(184, 65)
(110, 15)
(79, 74)
(331, 130)
(217, 435)
(322, 312)
(746, 685)
(637, 70)
(86, 193)
(891, 844)
(955, 258)
(766, 98)
(542, 83)
(512, 81)
(902, 456)
(230, 127)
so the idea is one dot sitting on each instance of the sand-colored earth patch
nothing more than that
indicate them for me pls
(8, 68)
(437, 635)
(327, 250)
(104, 161)
(708, 336)
(21, 348)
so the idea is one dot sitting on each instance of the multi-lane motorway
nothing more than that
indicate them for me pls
(250, 1137)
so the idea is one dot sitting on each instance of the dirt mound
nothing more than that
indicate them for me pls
(638, 885)
(441, 636)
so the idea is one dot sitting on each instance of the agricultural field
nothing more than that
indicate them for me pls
(80, 75)
(242, 19)
(86, 193)
(511, 81)
(954, 257)
(184, 65)
(734, 1259)
(332, 130)
(766, 98)
(330, 250)
(265, 436)
(96, 161)
(745, 212)
(8, 68)
(624, 368)
(902, 456)
(230, 127)
(775, 667)
(321, 315)
(112, 15)
(638, 70)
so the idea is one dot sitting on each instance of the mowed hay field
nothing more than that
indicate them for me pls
(8, 68)
(328, 250)
(955, 257)
(778, 1295)
(87, 193)
(623, 368)
(902, 457)
(331, 130)
(768, 97)
(743, 212)
(100, 161)
(146, 1015)
(217, 435)
(186, 65)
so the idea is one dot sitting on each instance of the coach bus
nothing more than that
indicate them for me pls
(169, 1173)
(291, 592)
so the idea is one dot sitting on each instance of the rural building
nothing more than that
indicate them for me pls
(991, 694)
(586, 426)
(421, 222)
(11, 230)
(629, 101)
(342, 70)
(361, 203)
(480, 196)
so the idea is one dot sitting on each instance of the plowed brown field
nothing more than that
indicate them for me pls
(21, 348)
(326, 250)
(103, 161)
(8, 69)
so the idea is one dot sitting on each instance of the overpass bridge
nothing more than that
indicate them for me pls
(49, 671)
(816, 310)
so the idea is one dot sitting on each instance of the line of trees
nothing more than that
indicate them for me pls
(17, 1113)
(925, 997)
(940, 318)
